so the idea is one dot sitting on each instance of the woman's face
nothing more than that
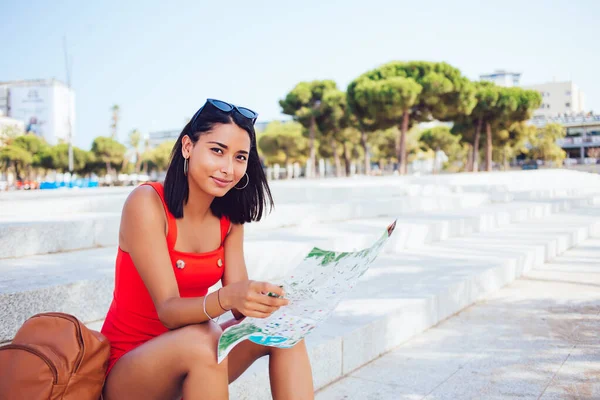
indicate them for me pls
(218, 160)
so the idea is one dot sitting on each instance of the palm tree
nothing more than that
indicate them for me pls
(115, 120)
(135, 139)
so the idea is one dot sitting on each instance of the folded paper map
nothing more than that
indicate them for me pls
(314, 289)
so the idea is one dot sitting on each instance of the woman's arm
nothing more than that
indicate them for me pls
(142, 234)
(256, 304)
(235, 264)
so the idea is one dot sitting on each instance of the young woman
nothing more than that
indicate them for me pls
(178, 239)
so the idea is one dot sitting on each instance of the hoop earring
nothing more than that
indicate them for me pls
(185, 166)
(247, 182)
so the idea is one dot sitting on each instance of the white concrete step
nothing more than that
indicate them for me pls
(413, 229)
(81, 282)
(28, 235)
(513, 181)
(404, 294)
(57, 233)
(56, 205)
(535, 338)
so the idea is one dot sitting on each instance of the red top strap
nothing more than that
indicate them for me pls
(171, 224)
(225, 224)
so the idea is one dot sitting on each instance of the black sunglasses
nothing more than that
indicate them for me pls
(227, 108)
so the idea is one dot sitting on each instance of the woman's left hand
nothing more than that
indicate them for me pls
(230, 322)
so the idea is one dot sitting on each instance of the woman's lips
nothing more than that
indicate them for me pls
(221, 182)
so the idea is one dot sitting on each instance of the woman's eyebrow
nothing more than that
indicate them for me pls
(220, 144)
(225, 147)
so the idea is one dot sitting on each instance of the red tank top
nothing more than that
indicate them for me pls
(132, 318)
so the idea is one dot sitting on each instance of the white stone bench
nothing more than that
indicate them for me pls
(81, 282)
(22, 236)
(404, 294)
(439, 262)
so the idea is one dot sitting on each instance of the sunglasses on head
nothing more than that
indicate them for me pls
(227, 108)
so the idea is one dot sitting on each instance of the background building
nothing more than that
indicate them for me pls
(503, 78)
(156, 138)
(583, 133)
(8, 122)
(559, 98)
(10, 127)
(46, 107)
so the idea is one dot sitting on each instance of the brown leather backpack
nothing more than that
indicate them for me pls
(53, 356)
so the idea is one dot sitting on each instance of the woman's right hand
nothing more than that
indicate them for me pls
(250, 298)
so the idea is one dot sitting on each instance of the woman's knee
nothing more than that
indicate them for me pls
(299, 347)
(198, 343)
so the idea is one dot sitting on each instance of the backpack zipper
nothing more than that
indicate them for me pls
(37, 353)
(79, 335)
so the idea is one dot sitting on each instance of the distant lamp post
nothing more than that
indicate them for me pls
(69, 127)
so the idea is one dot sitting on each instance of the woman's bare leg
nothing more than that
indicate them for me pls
(290, 373)
(183, 361)
(289, 369)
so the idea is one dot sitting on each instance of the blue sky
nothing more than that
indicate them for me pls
(160, 60)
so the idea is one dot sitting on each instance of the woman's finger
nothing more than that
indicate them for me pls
(265, 287)
(268, 300)
(263, 308)
(257, 314)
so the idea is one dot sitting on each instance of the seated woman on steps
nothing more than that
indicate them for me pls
(178, 239)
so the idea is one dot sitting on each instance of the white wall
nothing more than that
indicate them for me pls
(559, 98)
(44, 107)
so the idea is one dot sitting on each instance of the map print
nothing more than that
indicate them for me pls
(314, 289)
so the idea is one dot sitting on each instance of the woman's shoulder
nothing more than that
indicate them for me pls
(144, 198)
(142, 212)
(234, 227)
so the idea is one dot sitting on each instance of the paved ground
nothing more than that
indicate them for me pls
(538, 338)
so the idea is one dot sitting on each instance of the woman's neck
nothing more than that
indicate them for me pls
(197, 207)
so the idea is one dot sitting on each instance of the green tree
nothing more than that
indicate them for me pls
(158, 158)
(109, 151)
(364, 125)
(332, 121)
(441, 138)
(303, 103)
(486, 97)
(543, 144)
(383, 144)
(8, 133)
(389, 101)
(512, 141)
(283, 143)
(34, 145)
(16, 157)
(135, 140)
(498, 117)
(514, 105)
(405, 93)
(464, 129)
(349, 140)
(57, 157)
